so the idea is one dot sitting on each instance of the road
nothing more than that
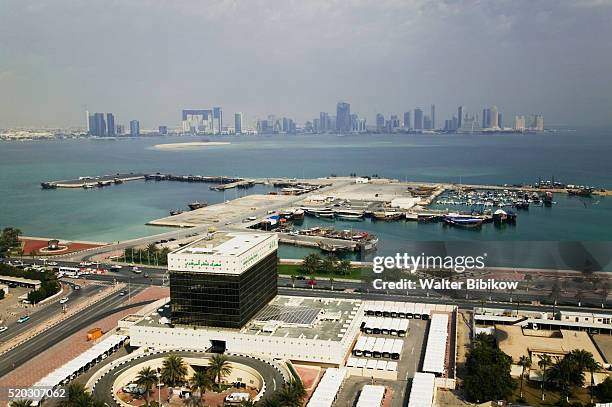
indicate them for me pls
(568, 301)
(272, 377)
(38, 315)
(40, 343)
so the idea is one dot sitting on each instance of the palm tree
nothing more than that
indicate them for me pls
(525, 363)
(201, 381)
(544, 362)
(219, 367)
(292, 394)
(174, 370)
(21, 403)
(331, 282)
(292, 281)
(146, 378)
(271, 402)
(592, 366)
(79, 396)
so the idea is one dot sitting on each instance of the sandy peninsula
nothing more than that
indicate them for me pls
(194, 144)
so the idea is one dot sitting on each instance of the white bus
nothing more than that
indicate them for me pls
(71, 272)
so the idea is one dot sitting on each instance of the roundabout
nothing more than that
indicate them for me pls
(244, 375)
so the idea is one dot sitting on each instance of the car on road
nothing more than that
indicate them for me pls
(122, 293)
(136, 270)
(77, 287)
(85, 264)
(63, 300)
(23, 319)
(3, 328)
(52, 263)
(146, 275)
(116, 267)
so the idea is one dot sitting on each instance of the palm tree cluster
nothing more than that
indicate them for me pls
(567, 373)
(78, 396)
(291, 395)
(314, 263)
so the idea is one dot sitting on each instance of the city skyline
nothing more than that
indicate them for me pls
(407, 54)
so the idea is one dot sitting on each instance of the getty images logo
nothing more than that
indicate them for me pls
(458, 264)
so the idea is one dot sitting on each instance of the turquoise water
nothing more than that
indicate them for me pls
(119, 212)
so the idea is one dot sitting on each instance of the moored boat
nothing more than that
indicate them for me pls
(197, 205)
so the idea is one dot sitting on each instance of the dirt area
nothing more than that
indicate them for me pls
(464, 333)
(38, 246)
(11, 308)
(310, 376)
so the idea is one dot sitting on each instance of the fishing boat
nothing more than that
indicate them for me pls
(548, 198)
(584, 192)
(463, 221)
(349, 216)
(521, 205)
(333, 248)
(175, 212)
(297, 214)
(427, 218)
(328, 215)
(197, 205)
(387, 215)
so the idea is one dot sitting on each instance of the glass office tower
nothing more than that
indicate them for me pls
(226, 298)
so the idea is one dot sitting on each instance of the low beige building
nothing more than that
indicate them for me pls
(516, 342)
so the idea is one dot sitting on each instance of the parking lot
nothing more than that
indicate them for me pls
(412, 354)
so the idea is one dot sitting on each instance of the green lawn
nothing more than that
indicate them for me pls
(294, 269)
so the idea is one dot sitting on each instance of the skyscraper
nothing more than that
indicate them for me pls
(427, 123)
(499, 121)
(343, 117)
(323, 122)
(406, 120)
(217, 120)
(110, 125)
(486, 118)
(380, 122)
(494, 118)
(418, 119)
(134, 128)
(433, 116)
(459, 117)
(197, 121)
(238, 122)
(88, 120)
(97, 125)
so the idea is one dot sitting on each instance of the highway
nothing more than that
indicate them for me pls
(42, 342)
(38, 315)
(157, 276)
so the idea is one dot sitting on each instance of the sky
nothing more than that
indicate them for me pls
(147, 60)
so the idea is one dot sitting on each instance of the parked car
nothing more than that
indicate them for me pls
(3, 328)
(63, 300)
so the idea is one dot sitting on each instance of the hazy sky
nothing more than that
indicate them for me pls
(149, 59)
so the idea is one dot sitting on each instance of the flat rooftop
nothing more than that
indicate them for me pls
(224, 243)
(517, 342)
(325, 319)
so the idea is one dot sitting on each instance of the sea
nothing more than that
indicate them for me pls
(580, 156)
